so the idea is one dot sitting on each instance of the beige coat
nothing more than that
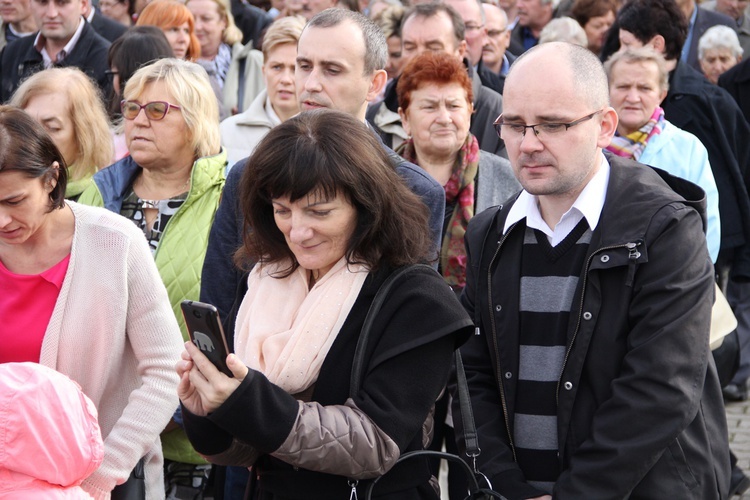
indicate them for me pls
(113, 331)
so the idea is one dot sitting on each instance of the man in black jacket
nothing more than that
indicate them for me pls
(64, 39)
(590, 375)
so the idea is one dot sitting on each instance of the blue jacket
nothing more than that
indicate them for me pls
(681, 154)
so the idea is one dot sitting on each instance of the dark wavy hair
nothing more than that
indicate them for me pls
(647, 18)
(432, 67)
(27, 148)
(328, 153)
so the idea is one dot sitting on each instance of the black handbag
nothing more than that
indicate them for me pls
(135, 486)
(476, 490)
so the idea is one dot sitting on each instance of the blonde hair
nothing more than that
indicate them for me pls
(189, 85)
(87, 113)
(231, 34)
(165, 14)
(282, 31)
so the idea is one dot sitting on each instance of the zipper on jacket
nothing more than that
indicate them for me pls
(177, 213)
(633, 255)
(498, 370)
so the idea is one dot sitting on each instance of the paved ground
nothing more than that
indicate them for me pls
(738, 422)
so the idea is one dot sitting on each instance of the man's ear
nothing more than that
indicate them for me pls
(461, 49)
(379, 79)
(608, 127)
(658, 43)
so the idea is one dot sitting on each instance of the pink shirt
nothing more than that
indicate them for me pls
(26, 305)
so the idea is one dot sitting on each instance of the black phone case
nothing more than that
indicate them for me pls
(204, 327)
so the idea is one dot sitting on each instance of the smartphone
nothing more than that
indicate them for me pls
(204, 328)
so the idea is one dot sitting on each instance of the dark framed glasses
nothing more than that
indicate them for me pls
(155, 110)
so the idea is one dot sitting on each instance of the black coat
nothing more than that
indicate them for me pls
(20, 59)
(708, 112)
(407, 363)
(736, 81)
(106, 27)
(252, 21)
(640, 412)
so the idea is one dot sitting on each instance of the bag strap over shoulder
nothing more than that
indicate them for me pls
(467, 415)
(377, 303)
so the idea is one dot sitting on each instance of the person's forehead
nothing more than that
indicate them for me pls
(530, 93)
(493, 18)
(345, 39)
(467, 9)
(343, 43)
(76, 4)
(437, 26)
(641, 70)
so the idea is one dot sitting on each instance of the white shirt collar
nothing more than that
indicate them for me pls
(40, 44)
(588, 205)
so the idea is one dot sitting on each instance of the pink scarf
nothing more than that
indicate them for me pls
(285, 330)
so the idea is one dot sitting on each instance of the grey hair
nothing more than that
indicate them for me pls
(564, 29)
(640, 55)
(719, 37)
(589, 78)
(376, 48)
(555, 3)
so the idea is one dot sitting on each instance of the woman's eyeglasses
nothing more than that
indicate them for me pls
(155, 110)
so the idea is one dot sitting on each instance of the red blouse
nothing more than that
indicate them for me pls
(26, 305)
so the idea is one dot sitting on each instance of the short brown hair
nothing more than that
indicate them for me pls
(27, 148)
(584, 10)
(302, 156)
(432, 67)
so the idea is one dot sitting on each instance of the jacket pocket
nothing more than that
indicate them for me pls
(680, 463)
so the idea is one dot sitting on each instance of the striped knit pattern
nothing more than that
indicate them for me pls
(549, 276)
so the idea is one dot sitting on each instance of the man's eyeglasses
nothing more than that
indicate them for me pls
(517, 130)
(497, 33)
(473, 27)
(155, 110)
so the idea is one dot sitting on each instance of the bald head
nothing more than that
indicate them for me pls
(564, 60)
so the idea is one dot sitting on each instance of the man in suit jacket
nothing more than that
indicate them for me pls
(106, 27)
(699, 20)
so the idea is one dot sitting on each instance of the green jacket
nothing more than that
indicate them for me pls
(182, 248)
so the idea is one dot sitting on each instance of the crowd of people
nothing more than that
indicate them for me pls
(561, 187)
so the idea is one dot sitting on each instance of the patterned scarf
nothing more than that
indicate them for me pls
(633, 144)
(459, 191)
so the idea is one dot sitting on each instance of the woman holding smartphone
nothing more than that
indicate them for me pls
(331, 220)
(81, 295)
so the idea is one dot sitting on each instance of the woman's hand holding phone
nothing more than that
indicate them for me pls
(203, 388)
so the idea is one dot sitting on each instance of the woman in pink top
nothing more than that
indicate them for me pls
(82, 295)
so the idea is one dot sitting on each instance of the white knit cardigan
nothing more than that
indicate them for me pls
(113, 331)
